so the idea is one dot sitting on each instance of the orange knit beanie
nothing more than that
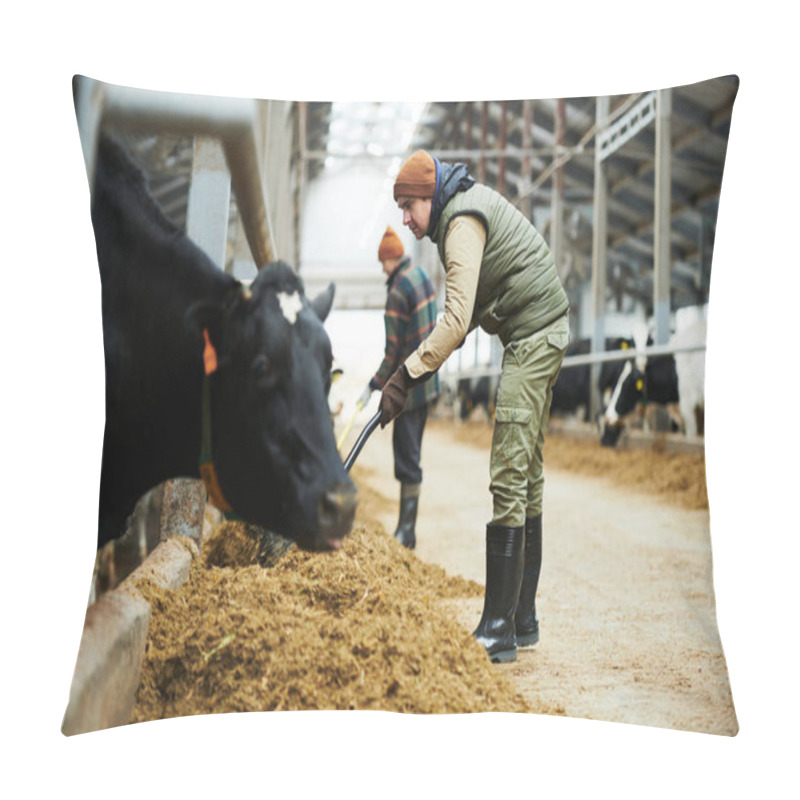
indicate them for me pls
(417, 177)
(390, 246)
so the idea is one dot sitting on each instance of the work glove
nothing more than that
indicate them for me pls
(393, 397)
(364, 399)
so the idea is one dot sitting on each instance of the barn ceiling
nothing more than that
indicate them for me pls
(526, 149)
(518, 147)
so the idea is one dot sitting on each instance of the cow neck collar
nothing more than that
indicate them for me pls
(207, 470)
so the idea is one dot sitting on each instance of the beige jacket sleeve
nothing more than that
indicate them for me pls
(463, 252)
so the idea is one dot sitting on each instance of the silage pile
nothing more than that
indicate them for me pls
(363, 628)
(678, 478)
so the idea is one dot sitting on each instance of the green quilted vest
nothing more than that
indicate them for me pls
(519, 291)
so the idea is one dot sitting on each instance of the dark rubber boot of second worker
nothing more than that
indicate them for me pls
(525, 621)
(504, 558)
(406, 525)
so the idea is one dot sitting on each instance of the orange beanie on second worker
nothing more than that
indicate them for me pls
(390, 246)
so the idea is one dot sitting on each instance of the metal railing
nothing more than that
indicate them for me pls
(586, 359)
(232, 121)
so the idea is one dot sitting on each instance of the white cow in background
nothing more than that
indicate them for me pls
(661, 380)
(691, 369)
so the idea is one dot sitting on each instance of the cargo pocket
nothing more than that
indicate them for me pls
(511, 441)
(558, 339)
(522, 416)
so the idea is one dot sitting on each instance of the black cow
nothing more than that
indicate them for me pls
(475, 393)
(272, 448)
(571, 389)
(641, 381)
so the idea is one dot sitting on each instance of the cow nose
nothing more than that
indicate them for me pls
(335, 514)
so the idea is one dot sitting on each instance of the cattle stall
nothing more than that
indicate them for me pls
(228, 172)
(221, 169)
(470, 379)
(137, 239)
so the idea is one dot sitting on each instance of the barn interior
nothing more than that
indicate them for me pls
(625, 189)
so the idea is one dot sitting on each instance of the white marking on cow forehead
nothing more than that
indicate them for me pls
(291, 304)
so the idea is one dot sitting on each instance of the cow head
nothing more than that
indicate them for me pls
(272, 439)
(628, 391)
(629, 388)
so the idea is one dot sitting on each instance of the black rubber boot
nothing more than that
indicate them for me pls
(504, 557)
(409, 502)
(525, 620)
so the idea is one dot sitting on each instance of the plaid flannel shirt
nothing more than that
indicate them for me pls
(409, 318)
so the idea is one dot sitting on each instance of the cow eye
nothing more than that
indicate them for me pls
(263, 372)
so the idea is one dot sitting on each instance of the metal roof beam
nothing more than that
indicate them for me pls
(610, 139)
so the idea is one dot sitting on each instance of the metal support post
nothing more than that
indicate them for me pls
(662, 265)
(557, 195)
(468, 138)
(302, 169)
(209, 199)
(501, 167)
(662, 261)
(484, 134)
(526, 205)
(599, 254)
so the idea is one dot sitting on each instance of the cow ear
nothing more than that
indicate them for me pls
(323, 302)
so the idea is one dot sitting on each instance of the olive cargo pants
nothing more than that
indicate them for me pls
(530, 368)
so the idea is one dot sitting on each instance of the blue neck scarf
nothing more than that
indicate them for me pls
(450, 179)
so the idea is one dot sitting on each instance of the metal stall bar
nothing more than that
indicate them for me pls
(231, 120)
(211, 121)
(592, 358)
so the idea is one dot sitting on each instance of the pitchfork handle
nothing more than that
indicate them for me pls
(362, 438)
